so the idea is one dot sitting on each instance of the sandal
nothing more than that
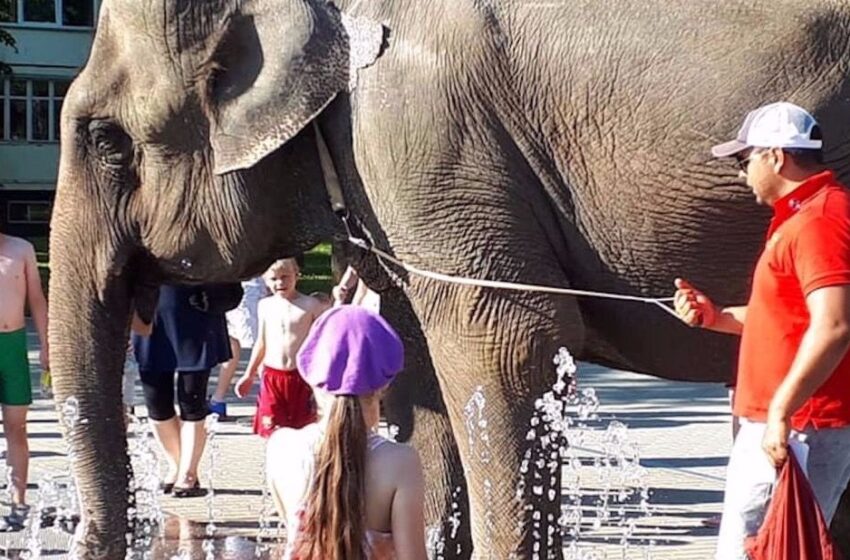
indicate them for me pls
(166, 487)
(16, 519)
(194, 491)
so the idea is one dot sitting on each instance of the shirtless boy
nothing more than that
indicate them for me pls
(285, 318)
(19, 286)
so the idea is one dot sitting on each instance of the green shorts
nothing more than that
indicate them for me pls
(15, 384)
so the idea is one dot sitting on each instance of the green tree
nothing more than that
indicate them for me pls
(6, 37)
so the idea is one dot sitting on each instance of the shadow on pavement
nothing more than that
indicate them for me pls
(684, 496)
(685, 462)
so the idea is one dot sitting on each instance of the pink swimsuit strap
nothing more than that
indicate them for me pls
(375, 441)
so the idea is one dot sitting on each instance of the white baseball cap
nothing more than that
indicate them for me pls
(778, 125)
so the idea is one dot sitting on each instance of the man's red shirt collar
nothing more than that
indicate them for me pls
(789, 204)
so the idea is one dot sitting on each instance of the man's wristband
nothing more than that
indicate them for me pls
(707, 317)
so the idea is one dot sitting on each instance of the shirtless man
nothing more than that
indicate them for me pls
(19, 286)
(285, 318)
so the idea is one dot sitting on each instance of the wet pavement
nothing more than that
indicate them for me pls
(682, 430)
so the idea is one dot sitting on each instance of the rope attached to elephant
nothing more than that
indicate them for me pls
(334, 189)
(383, 256)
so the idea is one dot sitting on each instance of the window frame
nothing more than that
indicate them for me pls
(58, 10)
(5, 105)
(29, 221)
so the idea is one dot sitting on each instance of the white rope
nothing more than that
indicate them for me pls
(509, 285)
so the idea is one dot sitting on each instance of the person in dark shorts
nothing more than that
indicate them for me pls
(188, 338)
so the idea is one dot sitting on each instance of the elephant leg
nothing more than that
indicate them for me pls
(414, 404)
(840, 528)
(494, 359)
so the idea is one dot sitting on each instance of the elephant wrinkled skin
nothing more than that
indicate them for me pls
(562, 143)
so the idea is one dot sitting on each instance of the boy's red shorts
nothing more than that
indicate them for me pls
(285, 401)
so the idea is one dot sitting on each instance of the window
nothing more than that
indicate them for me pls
(78, 12)
(70, 13)
(30, 109)
(40, 11)
(9, 10)
(28, 212)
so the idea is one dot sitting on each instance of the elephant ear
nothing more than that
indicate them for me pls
(274, 66)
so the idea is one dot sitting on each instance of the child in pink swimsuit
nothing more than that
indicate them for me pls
(350, 356)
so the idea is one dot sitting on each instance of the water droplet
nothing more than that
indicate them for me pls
(553, 442)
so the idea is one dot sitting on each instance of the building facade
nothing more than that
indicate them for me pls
(53, 40)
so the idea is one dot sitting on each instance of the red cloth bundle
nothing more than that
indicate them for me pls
(794, 527)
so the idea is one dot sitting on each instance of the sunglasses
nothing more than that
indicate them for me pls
(744, 163)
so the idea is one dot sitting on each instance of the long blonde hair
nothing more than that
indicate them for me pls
(333, 526)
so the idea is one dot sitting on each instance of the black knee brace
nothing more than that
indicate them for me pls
(158, 389)
(192, 394)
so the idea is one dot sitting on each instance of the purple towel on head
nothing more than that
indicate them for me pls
(350, 351)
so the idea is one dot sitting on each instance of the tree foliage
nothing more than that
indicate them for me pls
(6, 38)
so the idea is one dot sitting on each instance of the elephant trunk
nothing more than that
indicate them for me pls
(88, 339)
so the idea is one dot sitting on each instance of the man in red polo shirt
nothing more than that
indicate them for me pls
(793, 382)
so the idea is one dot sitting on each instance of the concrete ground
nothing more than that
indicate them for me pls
(682, 431)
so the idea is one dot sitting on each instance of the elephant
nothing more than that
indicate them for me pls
(557, 143)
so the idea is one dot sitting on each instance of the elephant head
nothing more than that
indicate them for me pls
(186, 157)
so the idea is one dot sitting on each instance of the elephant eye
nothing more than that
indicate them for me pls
(110, 142)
